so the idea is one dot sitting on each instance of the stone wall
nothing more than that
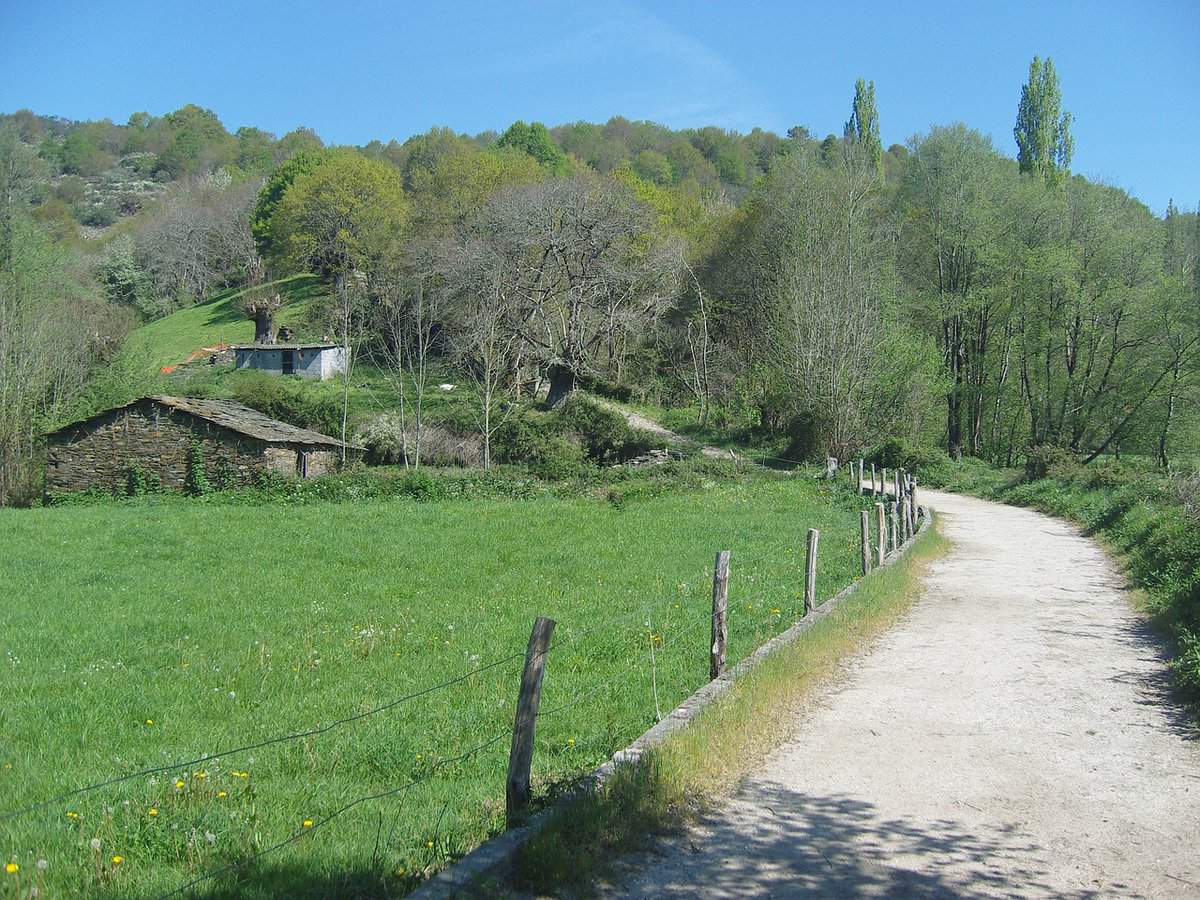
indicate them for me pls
(154, 438)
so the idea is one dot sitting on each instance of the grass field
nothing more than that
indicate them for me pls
(142, 633)
(170, 340)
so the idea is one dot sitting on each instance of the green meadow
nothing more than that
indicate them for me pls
(144, 632)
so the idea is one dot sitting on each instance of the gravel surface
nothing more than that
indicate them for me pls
(1011, 736)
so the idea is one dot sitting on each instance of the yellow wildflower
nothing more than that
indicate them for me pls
(222, 794)
(117, 860)
(149, 721)
(429, 844)
(153, 811)
(308, 823)
(72, 815)
(12, 868)
(201, 775)
(179, 784)
(570, 742)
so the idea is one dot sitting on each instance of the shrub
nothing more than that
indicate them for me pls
(195, 482)
(601, 431)
(1047, 461)
(304, 404)
(386, 440)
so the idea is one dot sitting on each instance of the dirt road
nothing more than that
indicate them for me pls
(1010, 736)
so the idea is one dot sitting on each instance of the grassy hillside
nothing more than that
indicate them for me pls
(170, 340)
(166, 629)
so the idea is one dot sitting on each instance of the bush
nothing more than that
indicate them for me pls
(304, 404)
(1044, 462)
(603, 432)
(895, 453)
(386, 440)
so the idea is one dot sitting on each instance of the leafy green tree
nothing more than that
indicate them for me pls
(255, 153)
(1043, 130)
(80, 154)
(535, 140)
(653, 166)
(198, 142)
(297, 141)
(341, 216)
(863, 127)
(272, 192)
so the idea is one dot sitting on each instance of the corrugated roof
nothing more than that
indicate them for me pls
(245, 420)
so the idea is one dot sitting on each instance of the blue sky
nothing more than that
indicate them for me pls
(1130, 72)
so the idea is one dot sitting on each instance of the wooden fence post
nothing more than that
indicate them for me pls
(520, 757)
(810, 572)
(720, 625)
(866, 542)
(880, 533)
(906, 532)
(896, 479)
(883, 481)
(862, 475)
(874, 491)
(893, 536)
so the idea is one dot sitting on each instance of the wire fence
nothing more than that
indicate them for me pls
(663, 634)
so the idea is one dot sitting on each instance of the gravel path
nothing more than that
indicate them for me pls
(1010, 736)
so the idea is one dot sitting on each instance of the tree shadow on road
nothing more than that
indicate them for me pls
(841, 846)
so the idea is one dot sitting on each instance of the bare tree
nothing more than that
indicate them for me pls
(411, 304)
(580, 264)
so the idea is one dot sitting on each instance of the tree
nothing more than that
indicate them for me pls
(578, 259)
(953, 199)
(863, 126)
(340, 217)
(272, 192)
(1043, 131)
(535, 140)
(342, 220)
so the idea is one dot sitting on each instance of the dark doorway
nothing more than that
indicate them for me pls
(289, 362)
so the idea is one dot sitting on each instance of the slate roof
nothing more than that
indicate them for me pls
(236, 417)
(290, 346)
(245, 420)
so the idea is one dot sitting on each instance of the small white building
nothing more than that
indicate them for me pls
(319, 361)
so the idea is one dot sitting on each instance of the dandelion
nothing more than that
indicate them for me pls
(95, 844)
(308, 823)
(12, 868)
(42, 865)
(71, 814)
(774, 612)
(201, 775)
(429, 844)
(222, 794)
(179, 784)
(117, 860)
(570, 742)
(152, 812)
(149, 721)
(210, 837)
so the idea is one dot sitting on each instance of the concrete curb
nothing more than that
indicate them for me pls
(498, 851)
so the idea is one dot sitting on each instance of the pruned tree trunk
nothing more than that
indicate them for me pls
(563, 381)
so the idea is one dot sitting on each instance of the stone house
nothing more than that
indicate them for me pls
(319, 361)
(155, 435)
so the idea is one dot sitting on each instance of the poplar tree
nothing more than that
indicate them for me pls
(1043, 131)
(863, 127)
